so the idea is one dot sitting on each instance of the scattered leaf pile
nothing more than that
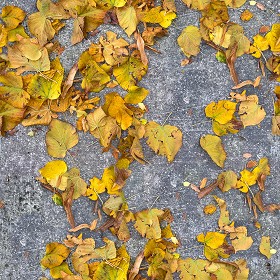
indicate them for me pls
(35, 90)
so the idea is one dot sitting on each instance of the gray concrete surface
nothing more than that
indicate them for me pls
(29, 219)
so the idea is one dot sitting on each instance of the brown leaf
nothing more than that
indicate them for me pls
(136, 267)
(67, 204)
(230, 62)
(208, 189)
(258, 201)
(249, 82)
(141, 47)
(272, 207)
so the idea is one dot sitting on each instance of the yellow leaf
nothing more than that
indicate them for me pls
(55, 254)
(220, 37)
(213, 146)
(246, 15)
(260, 44)
(239, 40)
(40, 24)
(130, 72)
(167, 18)
(52, 172)
(164, 140)
(12, 16)
(213, 240)
(239, 239)
(114, 49)
(224, 214)
(222, 112)
(73, 179)
(3, 37)
(115, 269)
(55, 272)
(209, 209)
(38, 116)
(235, 3)
(233, 126)
(60, 138)
(9, 116)
(136, 95)
(197, 4)
(127, 19)
(214, 14)
(227, 180)
(15, 34)
(147, 223)
(12, 90)
(94, 77)
(251, 113)
(103, 127)
(96, 187)
(189, 41)
(28, 55)
(273, 37)
(115, 107)
(48, 85)
(191, 269)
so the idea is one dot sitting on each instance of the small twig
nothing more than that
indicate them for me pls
(152, 49)
(167, 118)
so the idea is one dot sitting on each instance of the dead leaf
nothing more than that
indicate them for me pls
(164, 140)
(213, 146)
(60, 138)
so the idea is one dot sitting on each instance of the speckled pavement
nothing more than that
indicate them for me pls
(30, 220)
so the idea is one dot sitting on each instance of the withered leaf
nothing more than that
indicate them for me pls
(60, 138)
(213, 146)
(164, 140)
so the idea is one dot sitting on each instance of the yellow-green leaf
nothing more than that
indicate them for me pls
(55, 254)
(130, 72)
(189, 41)
(147, 223)
(48, 85)
(213, 146)
(12, 16)
(127, 19)
(264, 247)
(60, 138)
(164, 140)
(12, 90)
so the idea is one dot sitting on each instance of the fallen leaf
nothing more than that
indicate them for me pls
(210, 209)
(213, 146)
(47, 85)
(235, 3)
(52, 172)
(115, 107)
(60, 138)
(246, 15)
(130, 72)
(12, 16)
(12, 90)
(55, 254)
(164, 140)
(251, 113)
(222, 112)
(147, 223)
(264, 247)
(127, 18)
(189, 41)
(103, 127)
